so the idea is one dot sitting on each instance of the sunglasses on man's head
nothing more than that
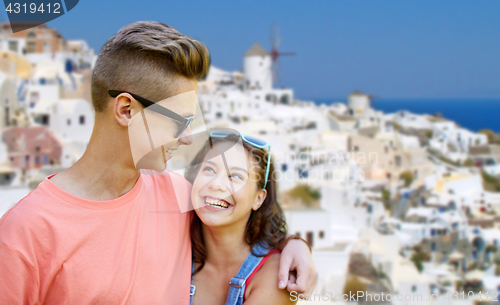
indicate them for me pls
(183, 122)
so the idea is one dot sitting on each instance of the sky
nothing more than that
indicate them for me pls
(390, 49)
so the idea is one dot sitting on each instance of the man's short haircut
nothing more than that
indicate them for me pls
(142, 57)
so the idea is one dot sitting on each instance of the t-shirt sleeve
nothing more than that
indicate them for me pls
(18, 282)
(181, 189)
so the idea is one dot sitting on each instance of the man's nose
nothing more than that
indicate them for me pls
(186, 138)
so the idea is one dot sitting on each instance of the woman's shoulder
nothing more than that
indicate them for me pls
(264, 284)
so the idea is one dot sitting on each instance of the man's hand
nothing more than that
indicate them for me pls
(296, 256)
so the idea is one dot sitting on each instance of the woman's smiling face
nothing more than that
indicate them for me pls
(222, 195)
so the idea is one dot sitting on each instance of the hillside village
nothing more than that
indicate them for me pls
(400, 203)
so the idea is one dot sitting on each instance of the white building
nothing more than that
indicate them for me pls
(8, 100)
(408, 119)
(71, 120)
(314, 225)
(257, 68)
(453, 141)
(358, 102)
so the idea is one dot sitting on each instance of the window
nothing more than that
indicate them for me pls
(31, 47)
(13, 46)
(37, 160)
(68, 122)
(42, 119)
(356, 148)
(271, 98)
(297, 233)
(285, 99)
(397, 160)
(37, 149)
(413, 288)
(34, 96)
(7, 118)
(321, 234)
(310, 238)
(47, 47)
(82, 120)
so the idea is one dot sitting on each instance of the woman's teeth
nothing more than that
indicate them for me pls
(216, 203)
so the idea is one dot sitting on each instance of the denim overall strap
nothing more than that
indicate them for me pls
(193, 288)
(237, 283)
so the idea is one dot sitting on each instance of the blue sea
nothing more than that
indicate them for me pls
(472, 114)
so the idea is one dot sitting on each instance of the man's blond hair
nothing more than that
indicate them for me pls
(143, 57)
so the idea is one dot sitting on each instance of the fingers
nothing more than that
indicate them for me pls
(306, 279)
(313, 280)
(300, 285)
(285, 266)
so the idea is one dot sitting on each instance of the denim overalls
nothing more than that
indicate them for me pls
(237, 283)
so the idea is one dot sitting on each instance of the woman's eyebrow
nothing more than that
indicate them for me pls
(210, 162)
(232, 167)
(239, 168)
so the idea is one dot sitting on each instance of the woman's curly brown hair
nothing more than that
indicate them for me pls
(265, 225)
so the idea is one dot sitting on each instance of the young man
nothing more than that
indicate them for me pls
(90, 234)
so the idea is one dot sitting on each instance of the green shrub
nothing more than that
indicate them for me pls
(353, 285)
(489, 134)
(305, 193)
(469, 162)
(407, 176)
(490, 183)
(386, 195)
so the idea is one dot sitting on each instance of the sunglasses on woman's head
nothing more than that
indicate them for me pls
(250, 140)
(183, 122)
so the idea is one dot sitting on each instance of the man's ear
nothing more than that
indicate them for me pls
(259, 199)
(124, 108)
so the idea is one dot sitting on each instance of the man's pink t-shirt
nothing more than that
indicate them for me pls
(56, 248)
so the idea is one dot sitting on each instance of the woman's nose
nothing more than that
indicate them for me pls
(219, 183)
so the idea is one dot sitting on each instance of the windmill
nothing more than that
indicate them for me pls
(275, 40)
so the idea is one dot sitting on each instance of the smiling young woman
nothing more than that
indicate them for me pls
(237, 224)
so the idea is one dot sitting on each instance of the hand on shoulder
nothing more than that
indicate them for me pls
(263, 289)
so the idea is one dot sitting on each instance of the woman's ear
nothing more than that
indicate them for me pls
(259, 199)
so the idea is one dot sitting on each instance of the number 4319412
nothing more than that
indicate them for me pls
(32, 8)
